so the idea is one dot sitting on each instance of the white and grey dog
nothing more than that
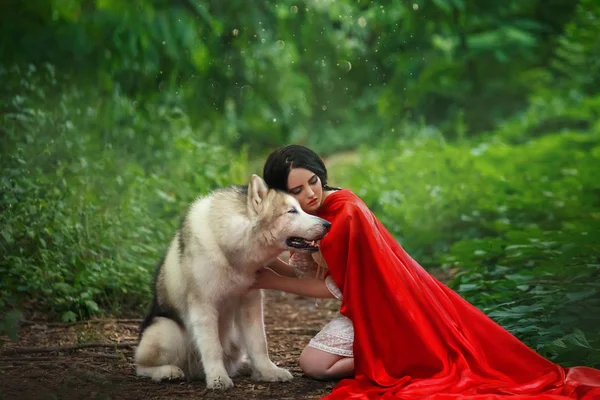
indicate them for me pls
(204, 318)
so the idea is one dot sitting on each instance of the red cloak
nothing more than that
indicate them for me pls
(415, 338)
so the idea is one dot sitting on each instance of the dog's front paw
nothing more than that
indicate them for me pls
(272, 374)
(219, 382)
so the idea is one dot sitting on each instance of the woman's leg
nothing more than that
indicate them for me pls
(319, 364)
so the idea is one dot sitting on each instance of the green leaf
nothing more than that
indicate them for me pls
(68, 316)
(578, 338)
(467, 286)
(519, 278)
(576, 296)
(92, 306)
(504, 314)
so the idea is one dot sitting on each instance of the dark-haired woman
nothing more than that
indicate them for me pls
(413, 337)
(328, 355)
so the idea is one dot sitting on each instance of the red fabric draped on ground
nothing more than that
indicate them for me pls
(415, 338)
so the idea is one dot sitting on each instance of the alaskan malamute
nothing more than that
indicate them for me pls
(205, 320)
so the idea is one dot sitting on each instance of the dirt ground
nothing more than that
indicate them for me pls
(74, 371)
(94, 359)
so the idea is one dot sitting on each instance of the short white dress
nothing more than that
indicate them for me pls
(337, 337)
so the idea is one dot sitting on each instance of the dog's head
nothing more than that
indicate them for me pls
(280, 220)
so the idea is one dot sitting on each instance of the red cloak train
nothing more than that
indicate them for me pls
(415, 338)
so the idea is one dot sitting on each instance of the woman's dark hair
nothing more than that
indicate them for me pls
(283, 160)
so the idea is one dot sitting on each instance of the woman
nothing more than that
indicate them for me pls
(414, 338)
(329, 354)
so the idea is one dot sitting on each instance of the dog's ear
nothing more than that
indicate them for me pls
(257, 190)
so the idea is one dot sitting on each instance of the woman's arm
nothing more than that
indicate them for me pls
(267, 279)
(282, 268)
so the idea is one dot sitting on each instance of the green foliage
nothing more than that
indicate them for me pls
(542, 285)
(432, 194)
(92, 190)
(245, 74)
(577, 59)
(330, 74)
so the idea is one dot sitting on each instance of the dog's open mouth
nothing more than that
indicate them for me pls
(302, 244)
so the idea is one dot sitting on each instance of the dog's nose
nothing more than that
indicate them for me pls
(327, 224)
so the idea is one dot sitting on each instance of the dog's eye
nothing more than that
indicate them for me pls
(293, 211)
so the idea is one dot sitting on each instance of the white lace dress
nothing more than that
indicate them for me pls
(337, 337)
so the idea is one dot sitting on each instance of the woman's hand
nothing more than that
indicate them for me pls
(266, 279)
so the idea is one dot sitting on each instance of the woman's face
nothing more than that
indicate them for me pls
(306, 187)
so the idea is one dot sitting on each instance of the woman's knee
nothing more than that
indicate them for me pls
(313, 367)
(317, 364)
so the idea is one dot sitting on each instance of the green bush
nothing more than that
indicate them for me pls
(431, 194)
(331, 74)
(543, 286)
(93, 188)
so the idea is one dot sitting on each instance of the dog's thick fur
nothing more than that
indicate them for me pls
(205, 318)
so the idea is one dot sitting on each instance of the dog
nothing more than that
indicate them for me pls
(205, 319)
